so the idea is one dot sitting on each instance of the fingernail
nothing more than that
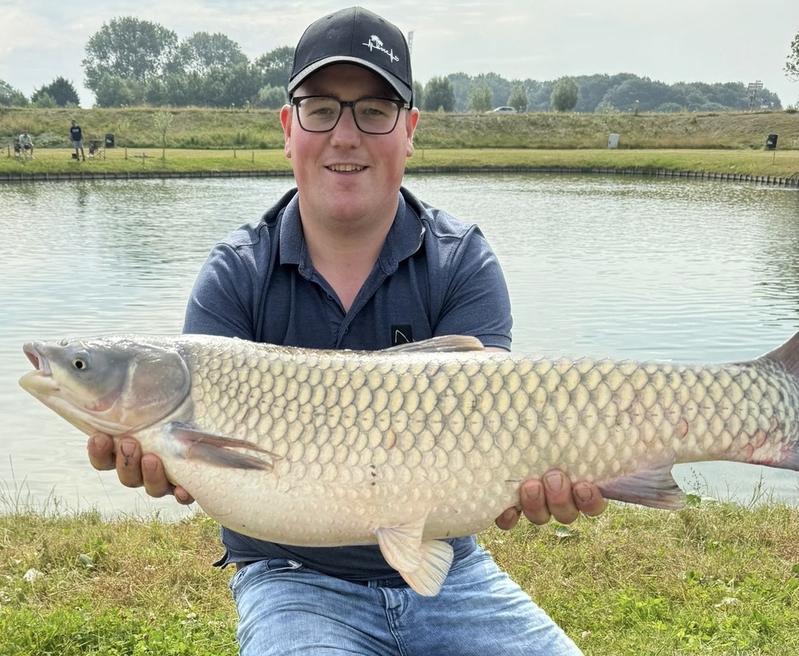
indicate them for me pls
(554, 481)
(127, 449)
(584, 493)
(532, 492)
(509, 514)
(148, 464)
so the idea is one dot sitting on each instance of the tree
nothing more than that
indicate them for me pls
(499, 86)
(44, 101)
(564, 95)
(594, 87)
(539, 97)
(231, 87)
(130, 49)
(271, 97)
(418, 93)
(202, 51)
(650, 94)
(115, 91)
(438, 95)
(481, 99)
(60, 90)
(275, 66)
(11, 97)
(518, 98)
(461, 86)
(163, 121)
(792, 63)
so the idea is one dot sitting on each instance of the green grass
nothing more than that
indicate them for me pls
(781, 163)
(710, 579)
(193, 128)
(202, 140)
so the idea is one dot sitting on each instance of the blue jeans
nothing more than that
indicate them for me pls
(287, 609)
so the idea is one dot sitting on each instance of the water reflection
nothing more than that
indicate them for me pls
(602, 266)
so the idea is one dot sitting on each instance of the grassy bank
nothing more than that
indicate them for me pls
(710, 579)
(781, 163)
(260, 129)
(237, 140)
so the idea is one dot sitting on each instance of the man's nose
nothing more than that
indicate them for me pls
(346, 129)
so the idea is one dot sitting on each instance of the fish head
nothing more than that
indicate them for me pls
(115, 385)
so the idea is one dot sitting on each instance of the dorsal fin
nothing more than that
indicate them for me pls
(441, 344)
(787, 354)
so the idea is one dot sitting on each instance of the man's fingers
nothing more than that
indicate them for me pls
(554, 497)
(534, 502)
(156, 483)
(559, 497)
(133, 468)
(100, 448)
(507, 520)
(128, 463)
(589, 499)
(183, 496)
(154, 477)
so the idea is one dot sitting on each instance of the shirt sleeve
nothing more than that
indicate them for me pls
(220, 302)
(476, 300)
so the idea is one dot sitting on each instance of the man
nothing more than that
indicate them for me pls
(26, 143)
(76, 136)
(352, 260)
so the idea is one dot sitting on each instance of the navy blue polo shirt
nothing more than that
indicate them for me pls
(435, 276)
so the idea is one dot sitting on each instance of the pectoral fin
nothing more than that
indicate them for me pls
(654, 487)
(440, 344)
(423, 565)
(217, 449)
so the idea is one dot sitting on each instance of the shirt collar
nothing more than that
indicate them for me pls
(403, 240)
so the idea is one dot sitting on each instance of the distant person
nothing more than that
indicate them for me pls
(76, 135)
(26, 143)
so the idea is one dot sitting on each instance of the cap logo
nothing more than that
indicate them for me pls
(375, 43)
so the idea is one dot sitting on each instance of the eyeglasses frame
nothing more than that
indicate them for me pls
(401, 104)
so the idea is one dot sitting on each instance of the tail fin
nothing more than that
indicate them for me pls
(787, 354)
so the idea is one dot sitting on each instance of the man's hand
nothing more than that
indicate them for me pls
(554, 496)
(133, 468)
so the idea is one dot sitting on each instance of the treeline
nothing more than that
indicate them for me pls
(131, 62)
(623, 92)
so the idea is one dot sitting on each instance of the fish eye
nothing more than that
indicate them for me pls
(80, 362)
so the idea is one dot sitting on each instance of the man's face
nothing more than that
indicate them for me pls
(345, 173)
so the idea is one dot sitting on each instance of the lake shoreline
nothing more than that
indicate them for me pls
(774, 180)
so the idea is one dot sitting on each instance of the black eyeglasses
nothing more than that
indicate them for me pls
(372, 115)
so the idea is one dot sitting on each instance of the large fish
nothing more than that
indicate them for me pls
(405, 446)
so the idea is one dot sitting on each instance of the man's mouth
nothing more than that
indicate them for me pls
(346, 168)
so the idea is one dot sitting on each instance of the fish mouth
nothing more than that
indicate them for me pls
(40, 381)
(39, 362)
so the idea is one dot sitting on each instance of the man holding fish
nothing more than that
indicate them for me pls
(350, 260)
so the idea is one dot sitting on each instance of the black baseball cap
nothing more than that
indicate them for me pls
(355, 36)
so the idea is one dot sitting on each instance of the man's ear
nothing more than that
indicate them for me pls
(286, 117)
(410, 127)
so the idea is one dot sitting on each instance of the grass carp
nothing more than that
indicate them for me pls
(414, 443)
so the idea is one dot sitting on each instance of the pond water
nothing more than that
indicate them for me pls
(690, 271)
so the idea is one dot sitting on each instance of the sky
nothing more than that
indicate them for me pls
(679, 40)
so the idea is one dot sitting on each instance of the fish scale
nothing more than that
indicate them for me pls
(415, 443)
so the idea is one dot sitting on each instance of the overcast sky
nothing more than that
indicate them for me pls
(678, 40)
